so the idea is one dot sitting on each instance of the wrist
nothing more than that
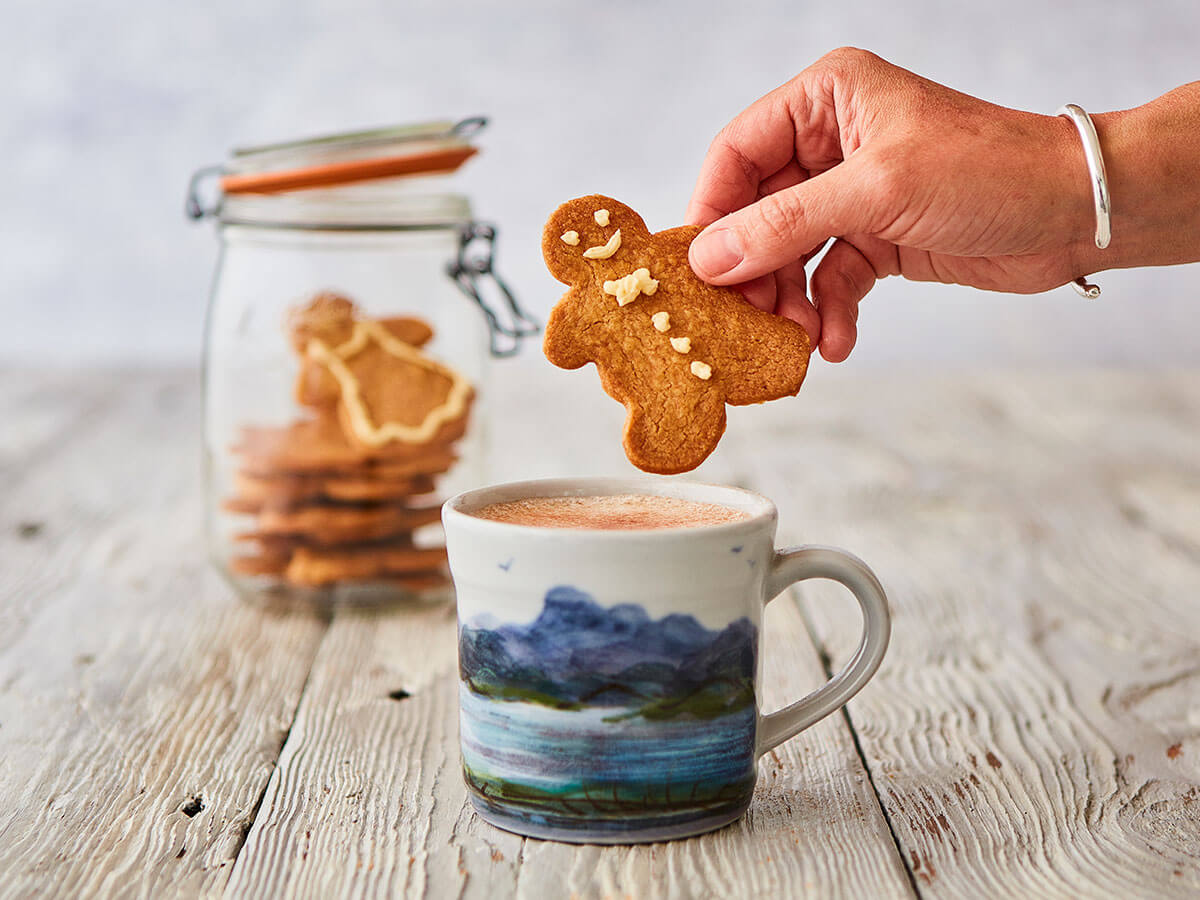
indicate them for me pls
(1151, 159)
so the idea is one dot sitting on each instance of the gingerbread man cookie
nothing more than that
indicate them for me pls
(384, 388)
(670, 347)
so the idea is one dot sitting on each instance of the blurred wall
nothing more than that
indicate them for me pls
(109, 106)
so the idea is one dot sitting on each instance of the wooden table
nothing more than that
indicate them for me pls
(1034, 730)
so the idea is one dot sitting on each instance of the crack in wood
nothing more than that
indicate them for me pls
(248, 825)
(826, 664)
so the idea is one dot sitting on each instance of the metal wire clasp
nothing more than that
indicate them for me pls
(195, 206)
(469, 270)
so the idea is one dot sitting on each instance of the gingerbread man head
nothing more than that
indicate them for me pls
(331, 318)
(670, 347)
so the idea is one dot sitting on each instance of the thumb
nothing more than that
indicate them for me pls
(783, 226)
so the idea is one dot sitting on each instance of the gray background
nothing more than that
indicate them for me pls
(109, 106)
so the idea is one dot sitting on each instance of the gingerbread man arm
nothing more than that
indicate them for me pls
(315, 386)
(411, 331)
(775, 365)
(572, 334)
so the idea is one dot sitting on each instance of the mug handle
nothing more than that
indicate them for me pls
(798, 564)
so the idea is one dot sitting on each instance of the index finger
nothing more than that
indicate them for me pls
(794, 121)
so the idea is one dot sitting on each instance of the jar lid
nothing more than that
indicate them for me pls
(336, 159)
(372, 170)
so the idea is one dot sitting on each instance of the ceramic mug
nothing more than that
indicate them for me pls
(610, 680)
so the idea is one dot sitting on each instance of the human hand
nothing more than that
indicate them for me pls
(906, 176)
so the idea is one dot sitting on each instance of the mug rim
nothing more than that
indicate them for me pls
(759, 508)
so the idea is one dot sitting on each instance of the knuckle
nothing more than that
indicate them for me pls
(888, 177)
(749, 169)
(778, 219)
(848, 59)
(825, 283)
(727, 146)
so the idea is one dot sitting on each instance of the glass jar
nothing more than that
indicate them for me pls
(346, 355)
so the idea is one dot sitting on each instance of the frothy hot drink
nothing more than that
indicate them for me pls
(613, 512)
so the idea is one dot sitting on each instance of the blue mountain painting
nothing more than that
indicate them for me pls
(578, 654)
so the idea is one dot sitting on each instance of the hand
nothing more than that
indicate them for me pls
(907, 177)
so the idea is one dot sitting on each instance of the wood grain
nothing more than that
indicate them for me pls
(1034, 728)
(367, 798)
(141, 706)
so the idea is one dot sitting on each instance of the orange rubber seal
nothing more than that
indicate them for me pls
(431, 162)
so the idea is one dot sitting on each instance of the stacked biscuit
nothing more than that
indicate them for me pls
(321, 513)
(337, 495)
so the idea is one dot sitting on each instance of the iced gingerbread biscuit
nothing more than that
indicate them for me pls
(272, 564)
(319, 445)
(670, 347)
(434, 461)
(296, 490)
(315, 567)
(331, 524)
(372, 372)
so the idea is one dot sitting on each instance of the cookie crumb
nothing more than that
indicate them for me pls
(601, 216)
(661, 320)
(570, 237)
(627, 289)
(613, 245)
(703, 371)
(682, 345)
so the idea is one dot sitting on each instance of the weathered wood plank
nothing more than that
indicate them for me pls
(368, 797)
(1035, 729)
(40, 409)
(142, 707)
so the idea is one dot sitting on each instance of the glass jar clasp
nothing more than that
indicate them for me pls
(470, 269)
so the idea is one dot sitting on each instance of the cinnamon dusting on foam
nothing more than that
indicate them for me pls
(614, 512)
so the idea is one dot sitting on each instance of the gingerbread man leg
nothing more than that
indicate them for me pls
(667, 434)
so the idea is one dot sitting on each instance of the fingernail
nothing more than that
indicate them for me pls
(716, 252)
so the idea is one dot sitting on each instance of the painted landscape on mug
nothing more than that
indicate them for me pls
(606, 716)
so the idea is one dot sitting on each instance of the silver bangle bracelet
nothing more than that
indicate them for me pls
(1099, 178)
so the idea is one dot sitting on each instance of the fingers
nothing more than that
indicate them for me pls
(764, 291)
(800, 120)
(792, 299)
(760, 292)
(789, 176)
(796, 123)
(784, 226)
(755, 145)
(842, 278)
